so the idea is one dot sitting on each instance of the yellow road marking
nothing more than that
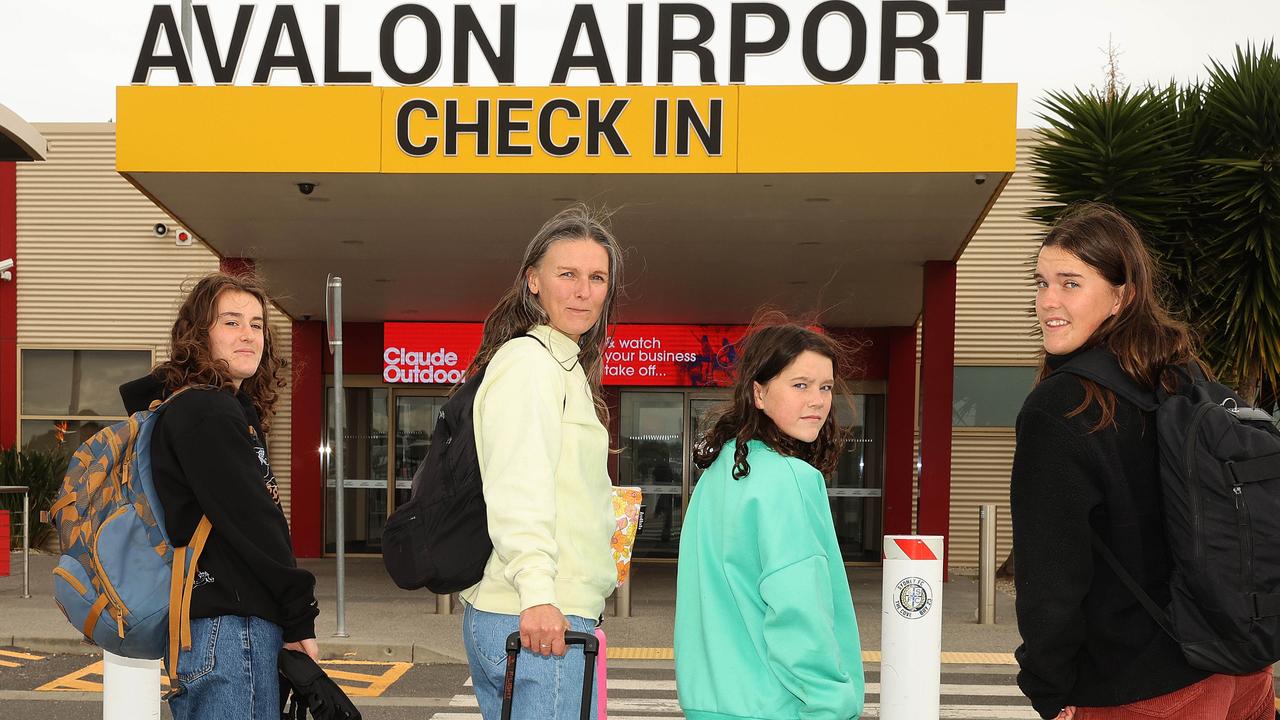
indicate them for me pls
(953, 658)
(89, 678)
(640, 653)
(6, 663)
(21, 655)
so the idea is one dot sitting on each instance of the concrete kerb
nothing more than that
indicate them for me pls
(388, 624)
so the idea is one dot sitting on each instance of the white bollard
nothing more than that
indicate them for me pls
(130, 688)
(911, 628)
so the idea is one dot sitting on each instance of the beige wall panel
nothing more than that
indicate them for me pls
(994, 324)
(280, 439)
(90, 271)
(994, 294)
(981, 460)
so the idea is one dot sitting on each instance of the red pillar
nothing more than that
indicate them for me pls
(307, 497)
(900, 427)
(9, 306)
(937, 378)
(237, 265)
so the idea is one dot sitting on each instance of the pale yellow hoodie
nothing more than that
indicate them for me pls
(544, 463)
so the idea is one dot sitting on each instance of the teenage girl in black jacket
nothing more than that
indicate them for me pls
(209, 459)
(1086, 461)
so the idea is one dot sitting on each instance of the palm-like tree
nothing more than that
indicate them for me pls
(1198, 169)
(1240, 227)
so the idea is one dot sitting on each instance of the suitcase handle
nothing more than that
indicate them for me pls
(590, 647)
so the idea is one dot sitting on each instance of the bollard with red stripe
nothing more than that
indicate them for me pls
(911, 628)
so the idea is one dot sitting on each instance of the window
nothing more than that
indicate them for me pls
(990, 396)
(68, 395)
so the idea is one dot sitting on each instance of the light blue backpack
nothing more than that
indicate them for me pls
(119, 576)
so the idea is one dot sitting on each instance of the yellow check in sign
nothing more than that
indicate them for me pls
(560, 130)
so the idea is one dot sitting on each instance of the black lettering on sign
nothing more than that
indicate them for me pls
(976, 11)
(162, 19)
(635, 43)
(405, 114)
(710, 133)
(545, 120)
(660, 127)
(668, 45)
(284, 22)
(584, 18)
(466, 26)
(223, 70)
(857, 41)
(453, 127)
(387, 44)
(739, 48)
(507, 126)
(333, 75)
(890, 43)
(605, 126)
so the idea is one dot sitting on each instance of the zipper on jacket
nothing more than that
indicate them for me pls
(1246, 539)
(120, 609)
(1193, 488)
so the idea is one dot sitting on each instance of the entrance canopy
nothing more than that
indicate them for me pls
(19, 141)
(809, 198)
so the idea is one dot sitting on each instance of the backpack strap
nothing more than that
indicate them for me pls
(181, 584)
(1157, 614)
(1100, 366)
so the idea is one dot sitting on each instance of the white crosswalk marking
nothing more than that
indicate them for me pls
(651, 695)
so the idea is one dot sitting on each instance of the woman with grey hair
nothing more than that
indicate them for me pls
(543, 449)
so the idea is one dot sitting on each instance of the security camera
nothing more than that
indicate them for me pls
(306, 188)
(160, 229)
(306, 317)
(6, 265)
(979, 179)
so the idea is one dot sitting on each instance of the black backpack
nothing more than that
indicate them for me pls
(439, 538)
(1220, 478)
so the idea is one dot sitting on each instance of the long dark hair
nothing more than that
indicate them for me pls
(191, 361)
(1143, 336)
(767, 349)
(519, 309)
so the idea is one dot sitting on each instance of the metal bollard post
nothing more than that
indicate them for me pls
(622, 598)
(26, 544)
(987, 564)
(911, 628)
(444, 604)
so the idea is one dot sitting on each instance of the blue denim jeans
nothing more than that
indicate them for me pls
(547, 687)
(230, 671)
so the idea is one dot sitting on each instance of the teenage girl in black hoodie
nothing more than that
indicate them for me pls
(1086, 462)
(209, 459)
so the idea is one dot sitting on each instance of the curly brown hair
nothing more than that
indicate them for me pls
(766, 350)
(191, 361)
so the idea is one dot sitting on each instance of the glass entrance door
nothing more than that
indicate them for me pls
(856, 488)
(364, 477)
(415, 419)
(653, 453)
(386, 438)
(701, 414)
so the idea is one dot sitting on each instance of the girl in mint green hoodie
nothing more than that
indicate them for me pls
(765, 627)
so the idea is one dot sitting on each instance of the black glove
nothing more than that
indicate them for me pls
(304, 687)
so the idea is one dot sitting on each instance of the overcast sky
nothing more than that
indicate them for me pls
(61, 60)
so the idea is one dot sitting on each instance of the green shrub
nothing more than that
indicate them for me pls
(41, 471)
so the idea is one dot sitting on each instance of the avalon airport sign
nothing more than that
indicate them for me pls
(608, 45)
(645, 355)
